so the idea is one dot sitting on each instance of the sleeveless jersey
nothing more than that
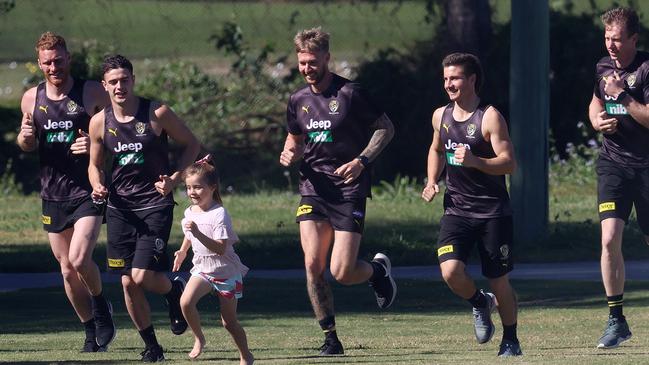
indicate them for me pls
(64, 175)
(336, 124)
(469, 191)
(139, 158)
(628, 146)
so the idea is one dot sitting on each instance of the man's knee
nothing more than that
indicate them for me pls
(452, 272)
(342, 274)
(313, 266)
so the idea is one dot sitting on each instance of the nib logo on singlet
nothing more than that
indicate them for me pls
(66, 135)
(450, 156)
(616, 109)
(129, 158)
(320, 137)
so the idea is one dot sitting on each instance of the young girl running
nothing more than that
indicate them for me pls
(217, 268)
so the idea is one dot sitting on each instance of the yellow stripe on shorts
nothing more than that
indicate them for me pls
(607, 206)
(444, 250)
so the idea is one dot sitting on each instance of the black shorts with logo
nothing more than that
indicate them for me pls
(494, 236)
(343, 215)
(138, 239)
(60, 215)
(619, 188)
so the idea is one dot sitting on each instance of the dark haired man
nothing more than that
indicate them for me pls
(473, 141)
(139, 200)
(620, 110)
(55, 121)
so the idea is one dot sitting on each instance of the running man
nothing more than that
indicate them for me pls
(139, 200)
(55, 121)
(619, 110)
(337, 133)
(473, 141)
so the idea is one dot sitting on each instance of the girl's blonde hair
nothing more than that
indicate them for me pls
(206, 171)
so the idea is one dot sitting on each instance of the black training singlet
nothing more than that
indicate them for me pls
(336, 124)
(139, 158)
(629, 145)
(469, 191)
(64, 175)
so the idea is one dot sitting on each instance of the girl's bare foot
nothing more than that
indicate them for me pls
(198, 349)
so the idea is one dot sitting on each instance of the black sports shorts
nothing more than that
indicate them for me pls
(494, 236)
(138, 239)
(619, 188)
(60, 215)
(343, 215)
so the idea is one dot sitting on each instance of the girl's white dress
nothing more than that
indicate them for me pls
(216, 224)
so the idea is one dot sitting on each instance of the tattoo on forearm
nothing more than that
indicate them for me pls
(320, 295)
(383, 132)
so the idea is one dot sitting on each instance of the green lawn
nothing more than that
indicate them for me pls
(559, 323)
(403, 226)
(149, 28)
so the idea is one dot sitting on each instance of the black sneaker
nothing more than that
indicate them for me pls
(90, 345)
(104, 326)
(153, 354)
(385, 289)
(178, 322)
(331, 348)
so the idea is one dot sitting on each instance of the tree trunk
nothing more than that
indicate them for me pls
(468, 25)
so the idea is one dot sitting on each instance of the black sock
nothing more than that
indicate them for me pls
(89, 326)
(328, 326)
(478, 299)
(148, 336)
(171, 295)
(99, 303)
(509, 333)
(379, 271)
(615, 305)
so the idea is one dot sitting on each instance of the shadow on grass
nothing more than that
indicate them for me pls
(42, 310)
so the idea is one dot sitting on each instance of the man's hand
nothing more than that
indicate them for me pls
(464, 157)
(605, 124)
(429, 193)
(290, 155)
(81, 145)
(614, 85)
(350, 171)
(99, 194)
(164, 185)
(27, 128)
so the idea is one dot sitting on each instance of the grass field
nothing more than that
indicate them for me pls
(559, 323)
(183, 28)
(402, 225)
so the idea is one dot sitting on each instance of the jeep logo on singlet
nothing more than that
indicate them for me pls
(130, 158)
(64, 124)
(63, 136)
(320, 124)
(123, 147)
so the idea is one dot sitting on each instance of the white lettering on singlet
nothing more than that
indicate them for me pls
(453, 146)
(326, 124)
(123, 147)
(64, 124)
